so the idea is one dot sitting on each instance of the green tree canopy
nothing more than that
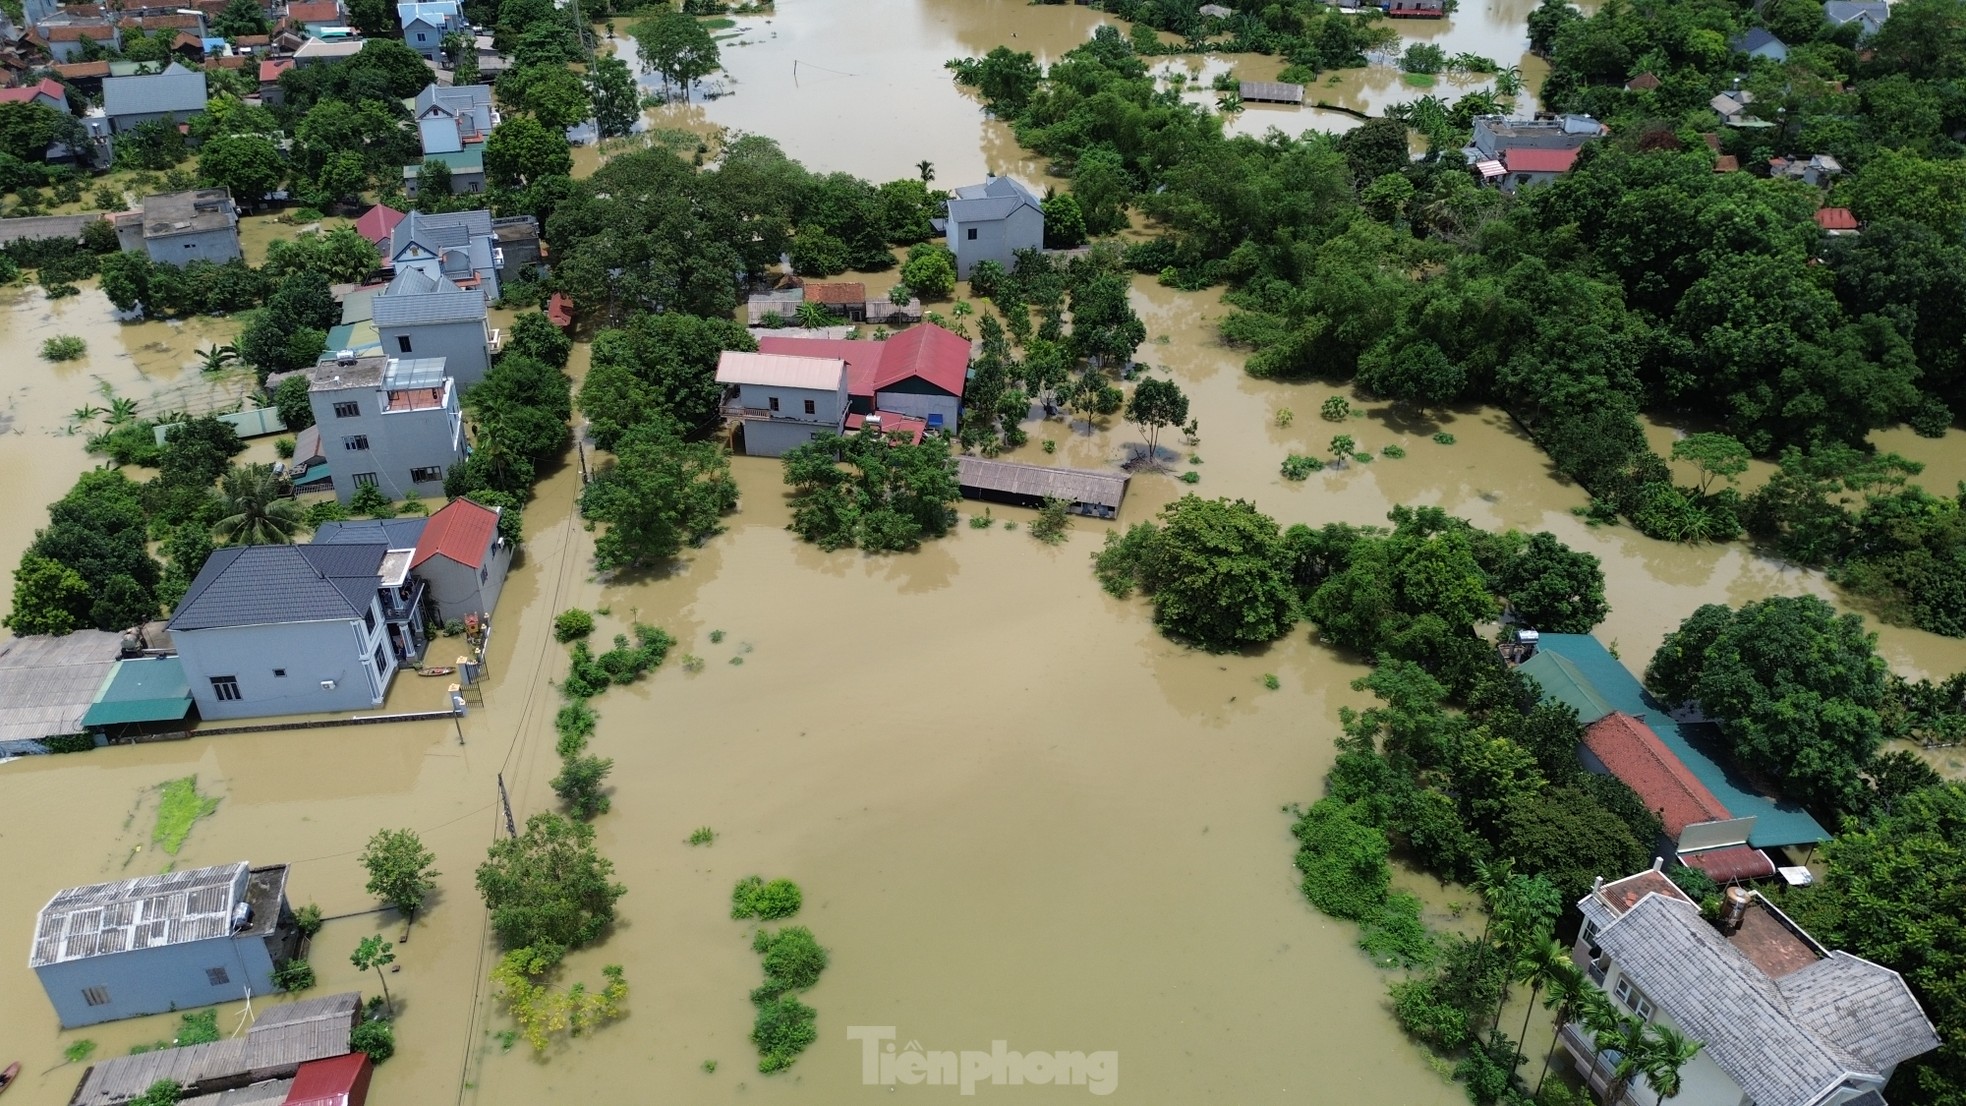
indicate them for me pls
(664, 364)
(549, 889)
(399, 869)
(659, 494)
(522, 150)
(1216, 570)
(876, 491)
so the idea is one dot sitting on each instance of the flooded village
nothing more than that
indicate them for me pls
(1019, 815)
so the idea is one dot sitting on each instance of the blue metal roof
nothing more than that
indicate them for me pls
(1776, 822)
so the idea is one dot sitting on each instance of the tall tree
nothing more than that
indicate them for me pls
(678, 47)
(522, 151)
(659, 494)
(247, 165)
(1215, 569)
(1155, 405)
(375, 953)
(549, 889)
(617, 104)
(255, 509)
(400, 871)
(1667, 1053)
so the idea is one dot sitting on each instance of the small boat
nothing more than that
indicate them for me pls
(435, 671)
(7, 1077)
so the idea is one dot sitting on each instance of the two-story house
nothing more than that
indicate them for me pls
(180, 227)
(317, 17)
(423, 316)
(458, 245)
(918, 374)
(175, 941)
(783, 401)
(297, 629)
(458, 554)
(426, 23)
(177, 93)
(1782, 1021)
(450, 117)
(387, 422)
(991, 222)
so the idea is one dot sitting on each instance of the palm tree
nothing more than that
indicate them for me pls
(1569, 990)
(927, 169)
(217, 358)
(1668, 1051)
(1629, 1038)
(256, 513)
(1538, 965)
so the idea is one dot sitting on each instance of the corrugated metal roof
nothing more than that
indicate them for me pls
(47, 683)
(176, 89)
(167, 909)
(394, 533)
(149, 689)
(927, 353)
(777, 370)
(284, 1038)
(1776, 823)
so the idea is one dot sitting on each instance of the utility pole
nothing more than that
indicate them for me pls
(504, 800)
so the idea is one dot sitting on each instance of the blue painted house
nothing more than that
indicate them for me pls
(153, 944)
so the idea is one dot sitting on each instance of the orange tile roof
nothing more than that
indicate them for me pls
(1836, 218)
(837, 292)
(1635, 755)
(461, 530)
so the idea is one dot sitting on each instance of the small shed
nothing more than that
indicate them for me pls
(1090, 493)
(336, 1081)
(1272, 92)
(140, 692)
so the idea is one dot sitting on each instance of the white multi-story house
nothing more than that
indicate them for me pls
(426, 24)
(448, 117)
(1782, 1021)
(386, 422)
(424, 316)
(991, 222)
(783, 401)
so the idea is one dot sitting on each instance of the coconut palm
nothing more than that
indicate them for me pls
(927, 169)
(1668, 1051)
(256, 513)
(1538, 965)
(1569, 988)
(1629, 1039)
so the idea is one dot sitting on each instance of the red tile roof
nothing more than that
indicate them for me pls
(72, 33)
(252, 40)
(1731, 864)
(271, 68)
(1643, 82)
(375, 223)
(314, 11)
(46, 86)
(892, 423)
(1836, 218)
(1635, 755)
(461, 530)
(82, 70)
(1523, 159)
(838, 292)
(1623, 894)
(172, 22)
(341, 1081)
(925, 352)
(559, 310)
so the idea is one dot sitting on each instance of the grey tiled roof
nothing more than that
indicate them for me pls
(396, 533)
(256, 585)
(176, 89)
(437, 232)
(994, 199)
(1865, 1008)
(1715, 994)
(167, 909)
(453, 98)
(414, 297)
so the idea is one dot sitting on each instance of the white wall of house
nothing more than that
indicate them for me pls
(459, 590)
(921, 405)
(462, 345)
(218, 246)
(157, 979)
(777, 419)
(995, 240)
(280, 667)
(403, 450)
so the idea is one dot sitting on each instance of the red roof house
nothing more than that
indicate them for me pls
(47, 91)
(340, 1081)
(1836, 220)
(1527, 159)
(314, 11)
(836, 292)
(462, 559)
(271, 68)
(1634, 754)
(919, 372)
(377, 222)
(559, 310)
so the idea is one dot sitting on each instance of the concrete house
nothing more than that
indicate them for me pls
(316, 17)
(176, 93)
(447, 118)
(1494, 134)
(388, 423)
(270, 92)
(425, 316)
(1868, 15)
(1783, 1021)
(296, 629)
(47, 92)
(467, 168)
(65, 40)
(458, 554)
(919, 373)
(457, 245)
(1526, 166)
(179, 227)
(425, 24)
(784, 401)
(991, 222)
(1760, 42)
(153, 944)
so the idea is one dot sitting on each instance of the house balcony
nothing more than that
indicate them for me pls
(404, 603)
(735, 410)
(494, 340)
(1596, 1067)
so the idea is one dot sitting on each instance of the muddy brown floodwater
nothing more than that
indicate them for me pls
(1017, 813)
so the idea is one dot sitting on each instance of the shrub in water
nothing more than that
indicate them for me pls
(63, 347)
(1299, 467)
(754, 898)
(572, 625)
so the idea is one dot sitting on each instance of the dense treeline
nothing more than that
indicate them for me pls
(1643, 280)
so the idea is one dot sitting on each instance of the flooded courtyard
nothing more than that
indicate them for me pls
(1017, 813)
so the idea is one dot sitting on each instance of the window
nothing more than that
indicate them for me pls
(484, 574)
(368, 618)
(379, 662)
(96, 996)
(420, 36)
(226, 688)
(773, 401)
(365, 480)
(347, 410)
(970, 234)
(427, 475)
(355, 442)
(810, 408)
(280, 673)
(402, 343)
(217, 977)
(1633, 998)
